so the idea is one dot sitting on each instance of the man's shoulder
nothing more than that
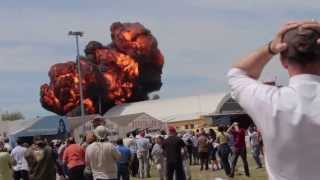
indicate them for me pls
(5, 156)
(89, 147)
(108, 145)
(73, 147)
(126, 149)
(78, 146)
(19, 149)
(143, 140)
(93, 146)
(122, 147)
(174, 139)
(14, 150)
(170, 138)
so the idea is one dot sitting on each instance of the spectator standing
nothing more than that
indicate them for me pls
(60, 151)
(195, 148)
(41, 161)
(21, 168)
(187, 138)
(239, 148)
(213, 149)
(151, 144)
(203, 145)
(143, 145)
(60, 171)
(102, 156)
(254, 139)
(158, 157)
(123, 163)
(173, 148)
(5, 163)
(90, 138)
(288, 116)
(132, 145)
(223, 149)
(74, 158)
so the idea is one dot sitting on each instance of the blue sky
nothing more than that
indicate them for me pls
(200, 39)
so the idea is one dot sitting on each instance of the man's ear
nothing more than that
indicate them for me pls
(284, 62)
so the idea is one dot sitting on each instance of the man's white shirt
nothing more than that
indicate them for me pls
(18, 153)
(289, 119)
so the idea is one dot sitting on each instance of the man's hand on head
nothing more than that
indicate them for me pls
(315, 25)
(277, 45)
(254, 63)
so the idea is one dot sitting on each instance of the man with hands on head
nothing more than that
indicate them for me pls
(288, 116)
(238, 135)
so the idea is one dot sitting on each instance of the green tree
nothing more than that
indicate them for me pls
(11, 116)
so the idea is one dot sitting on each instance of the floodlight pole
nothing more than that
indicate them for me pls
(78, 34)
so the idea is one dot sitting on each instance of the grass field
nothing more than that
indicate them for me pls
(256, 174)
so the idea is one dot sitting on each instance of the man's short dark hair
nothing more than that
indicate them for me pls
(71, 140)
(39, 140)
(19, 141)
(128, 134)
(302, 46)
(221, 128)
(119, 141)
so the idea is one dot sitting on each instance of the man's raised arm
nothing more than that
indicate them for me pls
(254, 63)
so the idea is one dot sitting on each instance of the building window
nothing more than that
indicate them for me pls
(186, 126)
(191, 126)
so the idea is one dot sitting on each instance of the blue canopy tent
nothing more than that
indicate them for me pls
(54, 127)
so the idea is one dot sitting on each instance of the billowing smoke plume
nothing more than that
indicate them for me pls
(126, 70)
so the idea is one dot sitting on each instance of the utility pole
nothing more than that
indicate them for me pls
(78, 34)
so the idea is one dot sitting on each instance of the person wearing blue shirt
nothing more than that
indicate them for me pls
(123, 163)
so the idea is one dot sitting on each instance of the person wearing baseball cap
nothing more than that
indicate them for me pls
(288, 116)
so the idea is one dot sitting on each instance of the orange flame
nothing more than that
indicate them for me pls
(120, 85)
(126, 70)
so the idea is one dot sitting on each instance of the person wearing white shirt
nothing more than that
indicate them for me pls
(288, 116)
(255, 139)
(102, 156)
(132, 145)
(195, 149)
(143, 145)
(21, 168)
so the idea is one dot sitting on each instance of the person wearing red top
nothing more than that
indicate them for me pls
(239, 135)
(74, 158)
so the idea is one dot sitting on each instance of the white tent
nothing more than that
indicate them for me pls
(173, 109)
